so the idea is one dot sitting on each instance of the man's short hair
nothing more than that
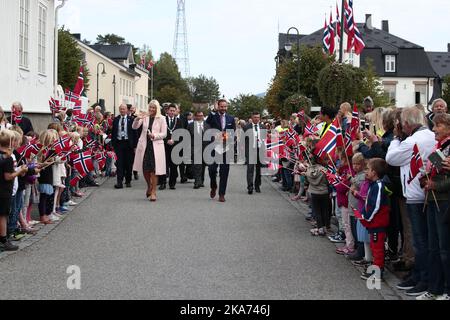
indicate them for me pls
(380, 167)
(222, 100)
(329, 111)
(173, 105)
(198, 112)
(256, 113)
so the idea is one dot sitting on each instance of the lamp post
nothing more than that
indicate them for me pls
(55, 49)
(103, 74)
(288, 48)
(114, 85)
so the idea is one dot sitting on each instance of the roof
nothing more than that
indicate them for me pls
(115, 52)
(440, 61)
(412, 59)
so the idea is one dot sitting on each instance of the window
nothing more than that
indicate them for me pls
(421, 94)
(351, 57)
(390, 63)
(42, 38)
(24, 28)
(390, 91)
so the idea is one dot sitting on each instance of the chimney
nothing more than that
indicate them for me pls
(448, 47)
(385, 25)
(369, 22)
(77, 36)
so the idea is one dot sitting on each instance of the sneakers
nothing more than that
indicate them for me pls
(72, 203)
(361, 263)
(427, 297)
(337, 238)
(17, 236)
(8, 246)
(62, 209)
(444, 297)
(54, 218)
(418, 290)
(407, 284)
(355, 257)
(367, 276)
(345, 251)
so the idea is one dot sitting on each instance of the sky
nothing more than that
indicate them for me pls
(236, 41)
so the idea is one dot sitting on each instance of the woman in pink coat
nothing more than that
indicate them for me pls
(150, 153)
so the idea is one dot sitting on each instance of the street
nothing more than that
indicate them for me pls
(185, 246)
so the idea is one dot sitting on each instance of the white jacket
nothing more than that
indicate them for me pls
(400, 154)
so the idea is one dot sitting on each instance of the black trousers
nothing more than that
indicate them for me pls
(171, 169)
(321, 207)
(251, 175)
(199, 173)
(125, 155)
(223, 173)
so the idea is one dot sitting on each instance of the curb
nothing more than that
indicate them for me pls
(44, 231)
(390, 281)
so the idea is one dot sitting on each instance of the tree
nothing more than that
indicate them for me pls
(372, 86)
(338, 83)
(284, 84)
(245, 104)
(203, 89)
(446, 89)
(169, 86)
(294, 104)
(110, 39)
(70, 58)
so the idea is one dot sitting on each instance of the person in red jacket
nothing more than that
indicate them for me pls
(375, 214)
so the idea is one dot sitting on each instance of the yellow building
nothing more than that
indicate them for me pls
(120, 80)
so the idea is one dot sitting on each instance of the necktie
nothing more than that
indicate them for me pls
(123, 127)
(222, 119)
(171, 123)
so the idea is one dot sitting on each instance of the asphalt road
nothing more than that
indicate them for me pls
(185, 246)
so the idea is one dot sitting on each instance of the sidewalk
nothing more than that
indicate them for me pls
(389, 290)
(44, 230)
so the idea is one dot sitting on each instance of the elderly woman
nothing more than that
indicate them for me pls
(438, 187)
(150, 153)
(439, 106)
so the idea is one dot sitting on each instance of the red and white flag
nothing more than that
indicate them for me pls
(79, 86)
(416, 164)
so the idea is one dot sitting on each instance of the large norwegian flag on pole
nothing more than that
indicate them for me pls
(338, 23)
(350, 24)
(79, 86)
(330, 141)
(326, 38)
(416, 164)
(358, 42)
(332, 35)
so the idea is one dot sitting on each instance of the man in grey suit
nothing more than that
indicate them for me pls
(254, 144)
(197, 130)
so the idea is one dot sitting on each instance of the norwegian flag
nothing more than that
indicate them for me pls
(111, 155)
(100, 157)
(274, 145)
(71, 98)
(331, 30)
(350, 24)
(82, 162)
(416, 164)
(330, 141)
(55, 106)
(30, 149)
(333, 178)
(143, 60)
(348, 143)
(79, 86)
(90, 143)
(150, 65)
(330, 168)
(274, 164)
(354, 127)
(310, 129)
(301, 115)
(62, 144)
(326, 38)
(358, 42)
(338, 23)
(291, 137)
(84, 120)
(75, 180)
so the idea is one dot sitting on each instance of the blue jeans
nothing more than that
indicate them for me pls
(439, 249)
(16, 206)
(419, 226)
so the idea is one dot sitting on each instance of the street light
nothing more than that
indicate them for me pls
(103, 75)
(114, 84)
(288, 47)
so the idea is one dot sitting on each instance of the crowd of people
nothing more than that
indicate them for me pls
(387, 184)
(383, 173)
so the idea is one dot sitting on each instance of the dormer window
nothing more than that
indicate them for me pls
(390, 63)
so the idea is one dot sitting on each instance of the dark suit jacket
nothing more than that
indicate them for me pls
(132, 137)
(191, 128)
(25, 125)
(178, 125)
(249, 140)
(214, 122)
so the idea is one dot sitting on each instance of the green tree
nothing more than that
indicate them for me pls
(70, 58)
(169, 86)
(446, 89)
(203, 89)
(110, 39)
(372, 86)
(338, 83)
(245, 104)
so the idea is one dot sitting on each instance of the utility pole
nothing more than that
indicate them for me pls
(341, 44)
(180, 44)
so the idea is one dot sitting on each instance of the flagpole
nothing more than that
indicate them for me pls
(151, 93)
(341, 44)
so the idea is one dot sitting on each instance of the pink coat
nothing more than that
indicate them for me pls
(159, 129)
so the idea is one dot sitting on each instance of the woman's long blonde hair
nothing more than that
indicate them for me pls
(3, 116)
(156, 104)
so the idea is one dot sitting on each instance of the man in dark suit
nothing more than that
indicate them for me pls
(220, 121)
(254, 144)
(132, 114)
(173, 123)
(24, 123)
(197, 130)
(124, 141)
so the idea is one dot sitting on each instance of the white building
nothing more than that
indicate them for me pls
(27, 54)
